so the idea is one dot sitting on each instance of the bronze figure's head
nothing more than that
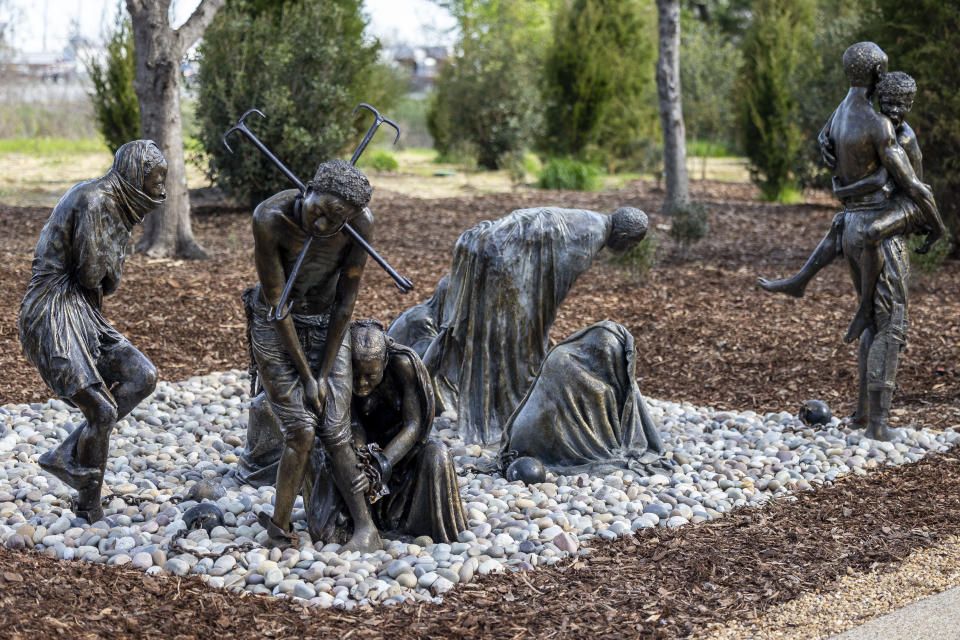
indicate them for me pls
(864, 63)
(628, 226)
(337, 194)
(142, 165)
(896, 91)
(368, 344)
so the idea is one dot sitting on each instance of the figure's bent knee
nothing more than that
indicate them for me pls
(300, 439)
(147, 378)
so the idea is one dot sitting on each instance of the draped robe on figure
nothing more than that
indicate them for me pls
(507, 281)
(584, 411)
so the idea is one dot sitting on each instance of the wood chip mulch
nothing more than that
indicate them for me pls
(705, 334)
(661, 584)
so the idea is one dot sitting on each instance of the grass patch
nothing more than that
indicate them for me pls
(51, 146)
(379, 160)
(67, 119)
(708, 149)
(571, 175)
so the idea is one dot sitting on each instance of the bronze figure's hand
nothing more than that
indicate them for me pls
(827, 152)
(316, 394)
(933, 234)
(360, 483)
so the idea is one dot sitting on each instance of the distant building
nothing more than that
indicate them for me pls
(63, 66)
(422, 63)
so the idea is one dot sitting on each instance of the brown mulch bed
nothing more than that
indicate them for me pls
(661, 584)
(706, 334)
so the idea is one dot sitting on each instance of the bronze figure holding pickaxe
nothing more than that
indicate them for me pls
(298, 317)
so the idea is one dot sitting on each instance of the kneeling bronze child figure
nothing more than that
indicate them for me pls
(413, 482)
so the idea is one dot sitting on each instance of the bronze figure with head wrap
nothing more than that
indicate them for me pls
(82, 359)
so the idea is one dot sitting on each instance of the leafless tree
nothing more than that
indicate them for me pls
(671, 107)
(159, 51)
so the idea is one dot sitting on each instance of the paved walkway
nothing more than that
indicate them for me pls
(934, 618)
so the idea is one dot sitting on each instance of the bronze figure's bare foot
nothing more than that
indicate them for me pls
(57, 463)
(789, 286)
(364, 540)
(91, 513)
(858, 325)
(881, 432)
(856, 420)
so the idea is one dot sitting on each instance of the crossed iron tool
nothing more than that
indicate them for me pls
(282, 310)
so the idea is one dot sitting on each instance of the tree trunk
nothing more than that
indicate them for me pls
(159, 50)
(671, 108)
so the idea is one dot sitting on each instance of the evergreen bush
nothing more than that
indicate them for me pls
(305, 64)
(115, 104)
(599, 82)
(570, 175)
(689, 224)
(776, 49)
(638, 260)
(922, 38)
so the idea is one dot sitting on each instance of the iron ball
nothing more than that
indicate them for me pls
(527, 469)
(815, 412)
(205, 515)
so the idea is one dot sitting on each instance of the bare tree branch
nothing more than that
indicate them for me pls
(192, 29)
(134, 6)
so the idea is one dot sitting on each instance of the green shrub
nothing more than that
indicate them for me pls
(115, 104)
(378, 160)
(922, 39)
(306, 64)
(599, 81)
(487, 97)
(689, 225)
(927, 263)
(640, 259)
(777, 49)
(570, 175)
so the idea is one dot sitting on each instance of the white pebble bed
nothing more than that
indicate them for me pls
(194, 430)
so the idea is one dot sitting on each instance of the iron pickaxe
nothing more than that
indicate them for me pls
(372, 130)
(403, 284)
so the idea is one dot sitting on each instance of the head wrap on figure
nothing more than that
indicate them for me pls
(368, 340)
(132, 163)
(343, 180)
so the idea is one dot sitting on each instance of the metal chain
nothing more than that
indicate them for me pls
(230, 548)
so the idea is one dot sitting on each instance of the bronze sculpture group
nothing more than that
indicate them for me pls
(878, 171)
(343, 412)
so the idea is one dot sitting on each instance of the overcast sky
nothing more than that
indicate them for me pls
(48, 22)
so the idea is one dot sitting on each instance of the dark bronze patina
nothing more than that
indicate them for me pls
(876, 160)
(583, 412)
(403, 284)
(491, 316)
(302, 358)
(414, 475)
(79, 260)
